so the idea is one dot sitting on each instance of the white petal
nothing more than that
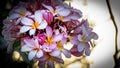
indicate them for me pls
(79, 37)
(13, 16)
(43, 25)
(66, 53)
(31, 55)
(48, 7)
(87, 51)
(64, 12)
(38, 16)
(27, 21)
(55, 53)
(18, 21)
(81, 47)
(39, 54)
(32, 32)
(24, 29)
(25, 48)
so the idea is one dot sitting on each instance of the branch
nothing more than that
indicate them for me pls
(117, 63)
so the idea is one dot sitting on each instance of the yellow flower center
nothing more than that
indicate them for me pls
(22, 14)
(35, 25)
(83, 38)
(49, 40)
(59, 45)
(60, 17)
(37, 49)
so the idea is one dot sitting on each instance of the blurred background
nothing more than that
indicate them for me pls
(105, 54)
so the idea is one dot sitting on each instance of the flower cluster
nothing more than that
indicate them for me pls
(43, 29)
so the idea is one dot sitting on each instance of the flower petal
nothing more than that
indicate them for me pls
(87, 51)
(24, 29)
(27, 21)
(64, 12)
(50, 64)
(49, 31)
(92, 35)
(39, 54)
(38, 16)
(81, 47)
(43, 25)
(48, 7)
(32, 31)
(26, 48)
(66, 53)
(58, 37)
(55, 53)
(14, 16)
(31, 55)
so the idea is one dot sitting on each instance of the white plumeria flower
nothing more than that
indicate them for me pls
(19, 14)
(32, 46)
(29, 24)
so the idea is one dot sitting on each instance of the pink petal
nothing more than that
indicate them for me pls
(42, 25)
(26, 48)
(31, 55)
(24, 29)
(38, 16)
(66, 53)
(27, 21)
(55, 53)
(52, 46)
(39, 54)
(32, 32)
(29, 42)
(36, 43)
(58, 37)
(49, 31)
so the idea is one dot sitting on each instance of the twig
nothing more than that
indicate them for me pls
(117, 63)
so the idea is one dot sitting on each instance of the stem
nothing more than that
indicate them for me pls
(116, 34)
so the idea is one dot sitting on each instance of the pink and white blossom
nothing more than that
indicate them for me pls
(31, 26)
(33, 47)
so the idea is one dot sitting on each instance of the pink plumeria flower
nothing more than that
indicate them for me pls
(48, 16)
(50, 42)
(31, 26)
(33, 47)
(19, 14)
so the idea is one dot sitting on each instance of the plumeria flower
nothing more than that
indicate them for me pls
(33, 47)
(60, 11)
(82, 40)
(50, 42)
(19, 14)
(31, 26)
(49, 61)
